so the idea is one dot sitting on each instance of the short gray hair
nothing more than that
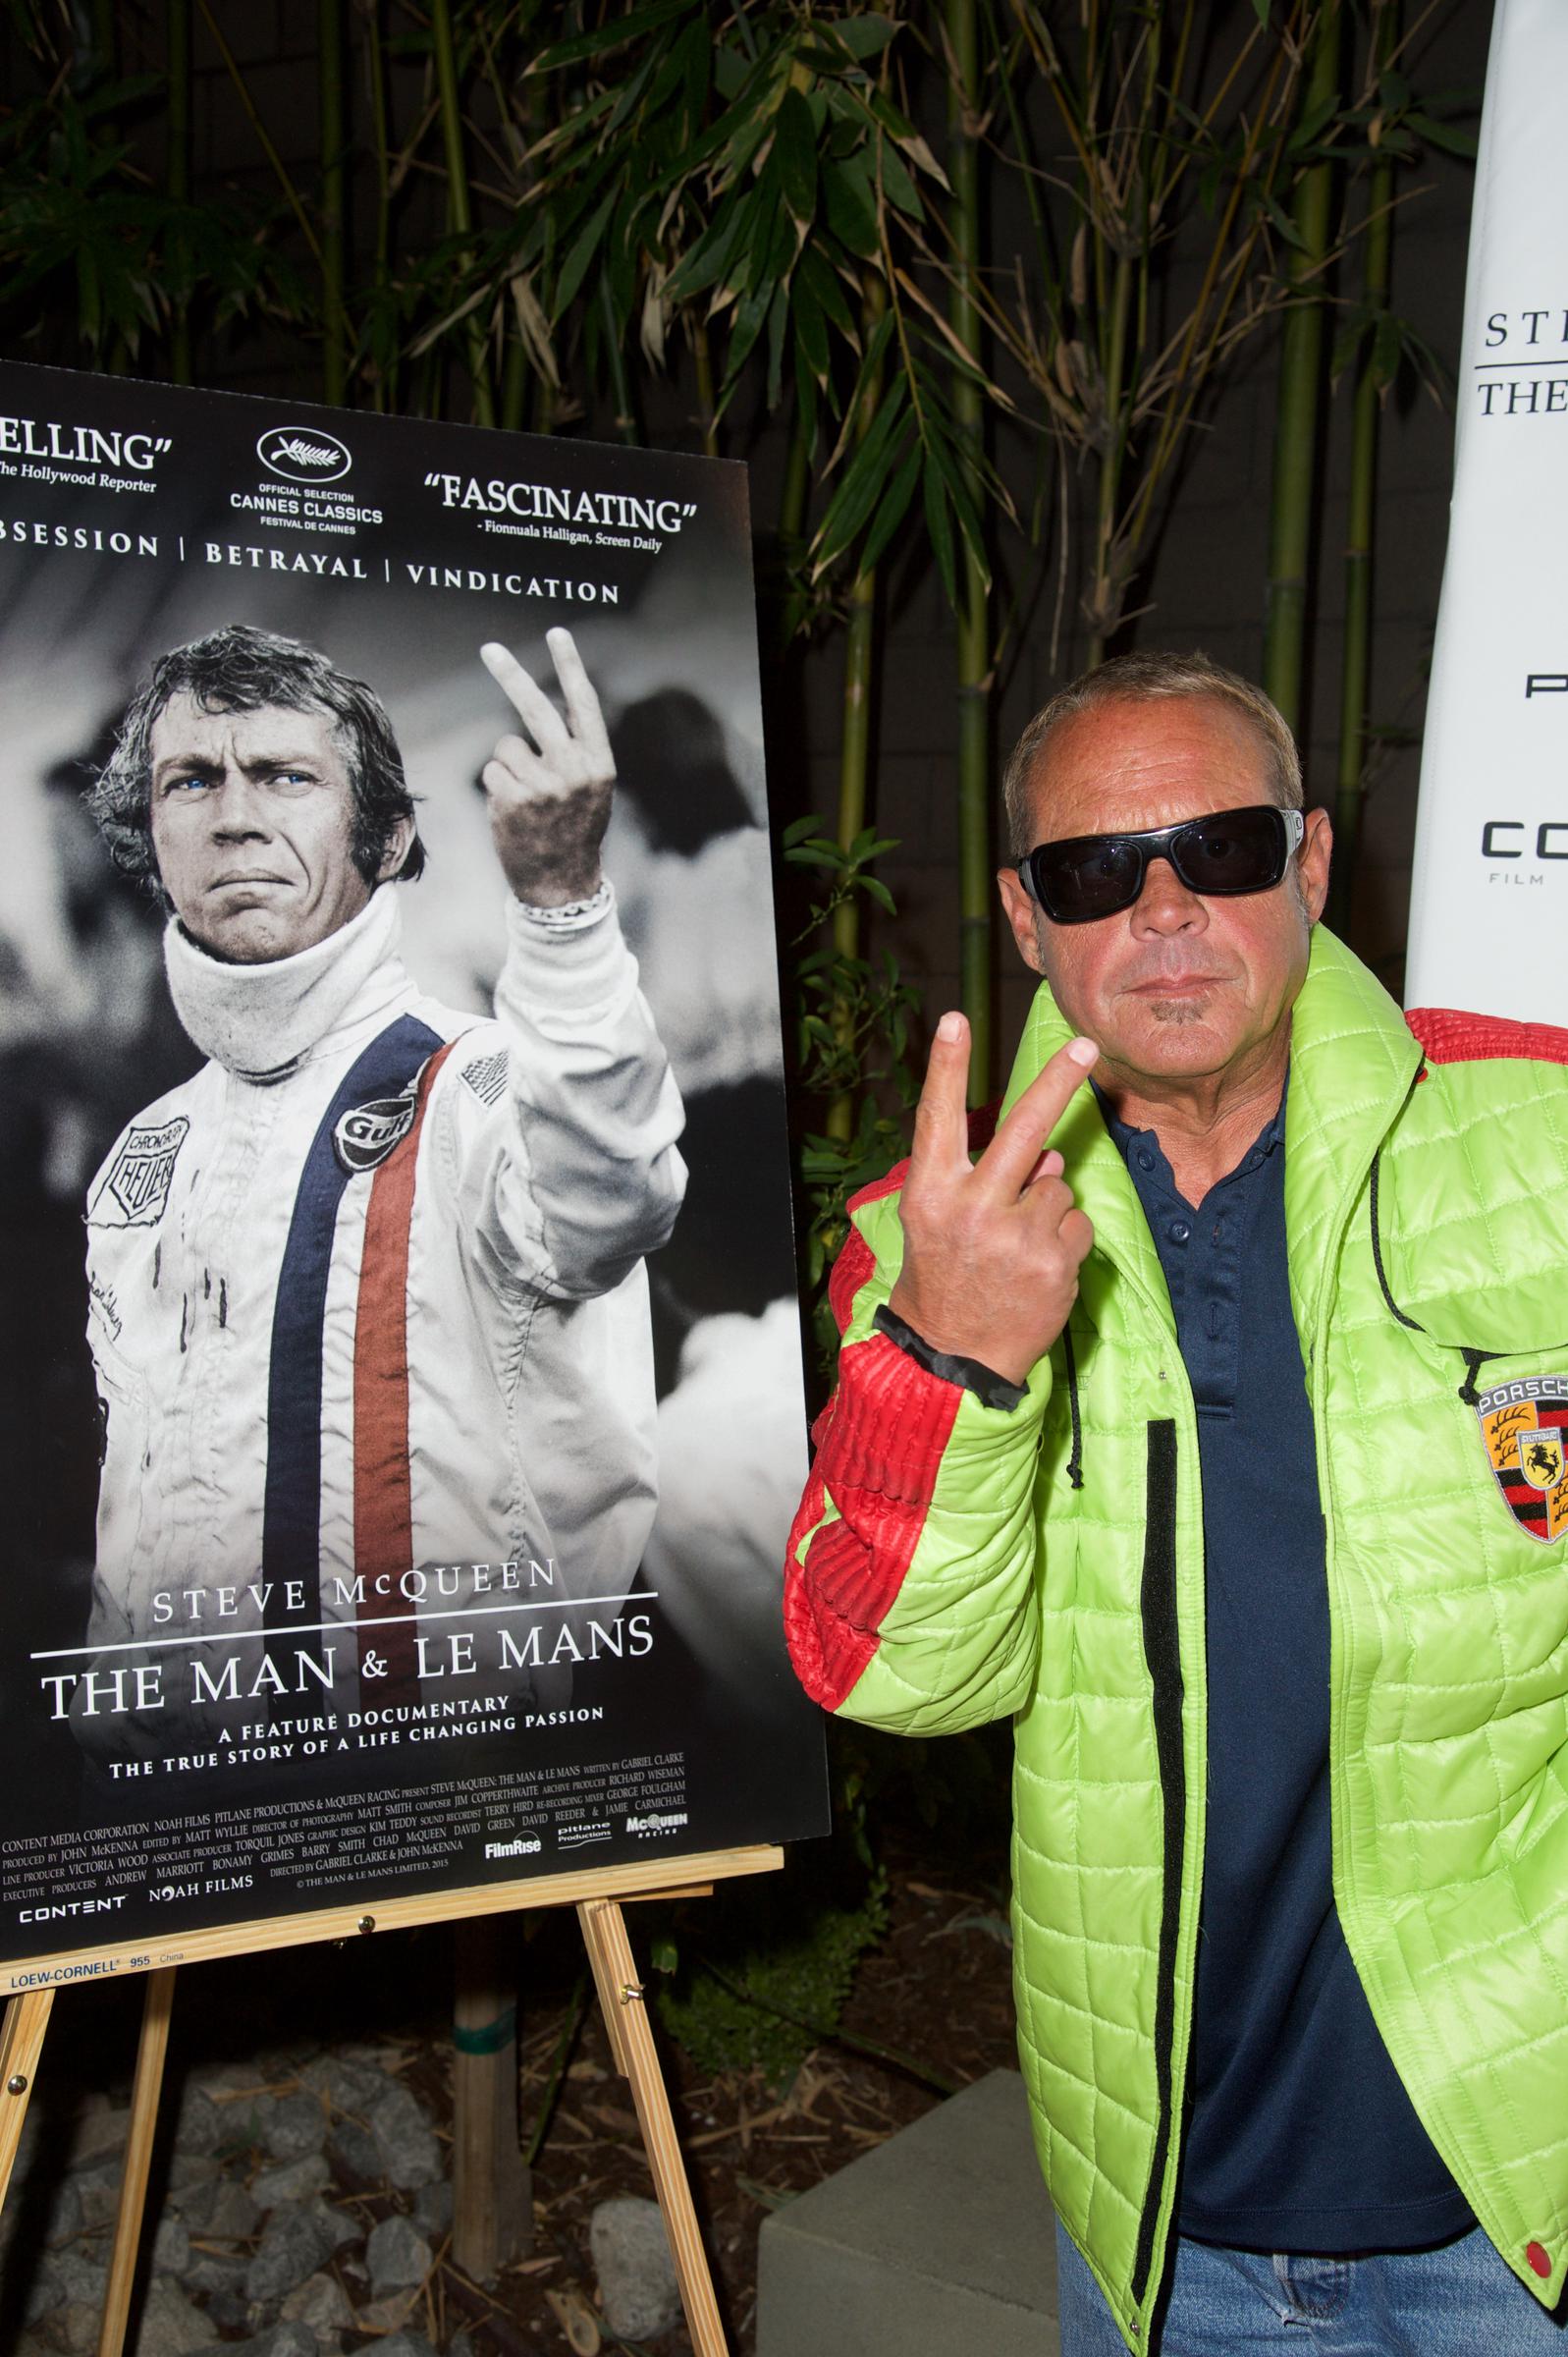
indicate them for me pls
(1149, 679)
(242, 669)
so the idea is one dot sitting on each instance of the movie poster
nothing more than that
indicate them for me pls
(402, 1405)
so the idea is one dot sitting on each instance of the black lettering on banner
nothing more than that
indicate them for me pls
(1490, 847)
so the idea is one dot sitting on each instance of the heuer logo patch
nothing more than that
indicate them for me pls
(135, 1187)
(366, 1134)
(1524, 1426)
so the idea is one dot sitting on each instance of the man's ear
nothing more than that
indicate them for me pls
(1022, 916)
(1312, 863)
(396, 851)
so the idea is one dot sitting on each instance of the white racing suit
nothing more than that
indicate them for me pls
(369, 1319)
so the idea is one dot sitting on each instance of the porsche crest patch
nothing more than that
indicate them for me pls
(1525, 1428)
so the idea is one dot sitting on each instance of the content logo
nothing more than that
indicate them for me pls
(664, 1821)
(304, 454)
(522, 1847)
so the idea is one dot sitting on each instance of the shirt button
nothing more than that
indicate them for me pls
(1180, 1232)
(1146, 1161)
(1539, 2263)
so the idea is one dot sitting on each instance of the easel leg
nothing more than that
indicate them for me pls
(151, 2052)
(493, 2205)
(614, 1973)
(21, 2043)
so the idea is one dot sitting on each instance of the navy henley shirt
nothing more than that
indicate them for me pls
(1301, 2136)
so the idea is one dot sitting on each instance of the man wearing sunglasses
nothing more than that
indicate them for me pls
(1212, 1423)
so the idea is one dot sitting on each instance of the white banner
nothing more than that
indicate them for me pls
(1488, 919)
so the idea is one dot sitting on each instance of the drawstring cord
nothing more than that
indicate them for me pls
(1473, 1360)
(1075, 1459)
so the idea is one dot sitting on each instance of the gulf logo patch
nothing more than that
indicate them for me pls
(1525, 1427)
(367, 1133)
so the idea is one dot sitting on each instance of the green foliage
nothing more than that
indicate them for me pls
(770, 1979)
(852, 1035)
(84, 239)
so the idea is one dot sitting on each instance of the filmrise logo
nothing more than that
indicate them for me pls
(303, 455)
(519, 1849)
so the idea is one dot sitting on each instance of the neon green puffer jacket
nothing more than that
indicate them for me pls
(953, 1562)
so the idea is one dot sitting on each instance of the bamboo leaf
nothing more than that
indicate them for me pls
(864, 36)
(863, 481)
(815, 271)
(710, 257)
(811, 329)
(777, 328)
(806, 396)
(900, 188)
(795, 146)
(614, 36)
(850, 207)
(890, 515)
(940, 526)
(1442, 135)
(574, 269)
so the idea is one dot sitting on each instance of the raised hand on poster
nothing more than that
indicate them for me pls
(550, 797)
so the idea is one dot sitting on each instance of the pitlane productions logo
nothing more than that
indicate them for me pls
(304, 454)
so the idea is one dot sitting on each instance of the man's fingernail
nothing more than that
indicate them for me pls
(950, 1026)
(1084, 1052)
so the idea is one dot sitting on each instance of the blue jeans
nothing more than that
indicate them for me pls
(1456, 2301)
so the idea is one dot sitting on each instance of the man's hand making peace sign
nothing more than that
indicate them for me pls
(550, 797)
(992, 1249)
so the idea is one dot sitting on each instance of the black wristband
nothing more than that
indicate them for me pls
(988, 1388)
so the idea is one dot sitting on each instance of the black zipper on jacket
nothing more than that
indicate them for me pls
(1163, 1653)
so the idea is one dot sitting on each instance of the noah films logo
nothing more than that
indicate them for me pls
(304, 454)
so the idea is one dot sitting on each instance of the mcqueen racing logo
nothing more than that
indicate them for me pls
(304, 454)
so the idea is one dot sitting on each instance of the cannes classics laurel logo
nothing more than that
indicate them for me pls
(304, 454)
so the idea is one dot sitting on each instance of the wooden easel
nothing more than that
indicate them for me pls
(596, 1894)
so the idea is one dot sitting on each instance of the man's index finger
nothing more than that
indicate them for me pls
(1016, 1147)
(525, 696)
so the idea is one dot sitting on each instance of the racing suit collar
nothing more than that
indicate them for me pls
(263, 1022)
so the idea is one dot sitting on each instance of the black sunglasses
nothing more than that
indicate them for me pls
(1089, 876)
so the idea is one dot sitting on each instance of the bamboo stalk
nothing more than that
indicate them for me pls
(976, 891)
(458, 205)
(1296, 413)
(268, 144)
(176, 170)
(514, 385)
(384, 389)
(104, 50)
(793, 498)
(615, 358)
(707, 412)
(334, 198)
(1356, 670)
(854, 757)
